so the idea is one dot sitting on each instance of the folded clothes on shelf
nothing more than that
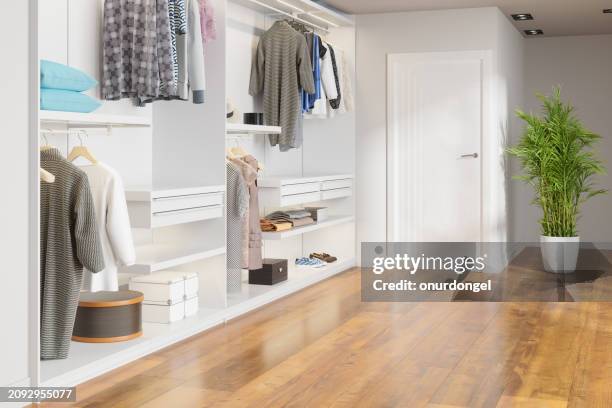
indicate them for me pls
(288, 215)
(300, 222)
(274, 226)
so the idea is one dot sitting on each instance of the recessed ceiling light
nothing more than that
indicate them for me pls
(522, 17)
(534, 32)
(607, 11)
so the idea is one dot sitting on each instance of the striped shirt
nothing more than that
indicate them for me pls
(69, 240)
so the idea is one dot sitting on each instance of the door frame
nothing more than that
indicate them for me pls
(489, 143)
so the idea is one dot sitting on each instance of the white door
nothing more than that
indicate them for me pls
(435, 114)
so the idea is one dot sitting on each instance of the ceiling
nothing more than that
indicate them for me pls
(555, 17)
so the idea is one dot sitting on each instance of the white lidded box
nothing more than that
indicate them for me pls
(168, 296)
(167, 287)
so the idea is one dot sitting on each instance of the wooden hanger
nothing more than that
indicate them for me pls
(82, 151)
(46, 176)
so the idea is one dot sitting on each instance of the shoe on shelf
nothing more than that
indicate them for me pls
(324, 257)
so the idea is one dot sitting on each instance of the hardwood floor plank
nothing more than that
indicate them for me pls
(323, 347)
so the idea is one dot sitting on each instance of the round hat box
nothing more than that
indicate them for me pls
(108, 317)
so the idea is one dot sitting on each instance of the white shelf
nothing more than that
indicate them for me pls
(90, 120)
(88, 360)
(241, 128)
(330, 222)
(254, 296)
(156, 257)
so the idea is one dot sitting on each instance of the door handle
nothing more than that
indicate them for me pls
(472, 155)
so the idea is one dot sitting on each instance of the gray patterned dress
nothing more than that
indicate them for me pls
(237, 211)
(69, 240)
(137, 50)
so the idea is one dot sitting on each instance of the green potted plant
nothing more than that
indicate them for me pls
(558, 161)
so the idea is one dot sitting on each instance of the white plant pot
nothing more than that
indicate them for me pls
(559, 254)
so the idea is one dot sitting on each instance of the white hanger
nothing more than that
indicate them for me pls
(46, 145)
(44, 174)
(81, 151)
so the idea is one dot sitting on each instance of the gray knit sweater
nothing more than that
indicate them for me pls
(281, 67)
(69, 240)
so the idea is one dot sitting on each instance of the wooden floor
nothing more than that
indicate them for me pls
(322, 347)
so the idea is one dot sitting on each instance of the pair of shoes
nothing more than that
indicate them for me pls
(324, 257)
(315, 263)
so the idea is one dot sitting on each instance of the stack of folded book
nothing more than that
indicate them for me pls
(284, 220)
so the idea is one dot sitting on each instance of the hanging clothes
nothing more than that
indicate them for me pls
(328, 78)
(335, 102)
(114, 227)
(190, 68)
(190, 54)
(237, 211)
(251, 229)
(137, 50)
(281, 67)
(207, 21)
(69, 241)
(309, 99)
(346, 102)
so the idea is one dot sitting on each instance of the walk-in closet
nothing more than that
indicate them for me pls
(169, 163)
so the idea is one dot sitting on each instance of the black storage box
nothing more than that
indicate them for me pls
(273, 272)
(253, 118)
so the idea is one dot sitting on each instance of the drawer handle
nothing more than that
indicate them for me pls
(186, 210)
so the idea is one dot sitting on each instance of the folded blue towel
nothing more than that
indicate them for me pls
(54, 75)
(67, 101)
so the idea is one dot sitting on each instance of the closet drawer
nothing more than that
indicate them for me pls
(337, 193)
(297, 199)
(152, 209)
(165, 218)
(302, 188)
(163, 204)
(335, 184)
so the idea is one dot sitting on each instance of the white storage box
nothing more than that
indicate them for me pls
(162, 312)
(153, 312)
(191, 306)
(166, 287)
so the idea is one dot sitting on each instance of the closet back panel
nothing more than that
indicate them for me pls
(188, 139)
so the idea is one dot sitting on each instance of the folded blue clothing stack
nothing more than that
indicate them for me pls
(61, 88)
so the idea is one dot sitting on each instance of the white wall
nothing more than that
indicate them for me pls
(582, 66)
(14, 211)
(430, 31)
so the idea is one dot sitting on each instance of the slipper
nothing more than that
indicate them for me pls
(324, 257)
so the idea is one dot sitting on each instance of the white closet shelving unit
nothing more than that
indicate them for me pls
(178, 150)
(330, 222)
(241, 128)
(92, 120)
